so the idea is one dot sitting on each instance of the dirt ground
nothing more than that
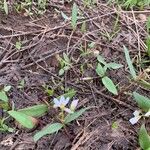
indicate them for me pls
(43, 39)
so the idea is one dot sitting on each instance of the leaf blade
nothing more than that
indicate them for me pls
(129, 62)
(108, 83)
(144, 138)
(142, 101)
(51, 128)
(35, 111)
(74, 16)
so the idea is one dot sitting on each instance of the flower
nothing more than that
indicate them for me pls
(136, 117)
(147, 114)
(74, 104)
(62, 102)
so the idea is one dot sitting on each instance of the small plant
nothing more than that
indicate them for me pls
(143, 103)
(65, 64)
(65, 116)
(101, 70)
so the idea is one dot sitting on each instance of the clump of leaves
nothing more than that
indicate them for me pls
(101, 70)
(65, 63)
(65, 116)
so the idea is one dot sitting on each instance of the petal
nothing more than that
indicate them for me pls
(137, 113)
(62, 99)
(68, 110)
(74, 104)
(147, 114)
(56, 102)
(134, 120)
(66, 101)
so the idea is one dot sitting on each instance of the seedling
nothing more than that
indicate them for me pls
(101, 70)
(65, 64)
(65, 116)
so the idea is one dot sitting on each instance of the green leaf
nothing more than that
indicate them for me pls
(143, 102)
(25, 120)
(114, 65)
(71, 93)
(3, 96)
(7, 88)
(74, 16)
(64, 16)
(100, 70)
(144, 138)
(101, 59)
(6, 7)
(61, 72)
(66, 58)
(83, 27)
(18, 45)
(129, 62)
(49, 129)
(35, 111)
(148, 46)
(143, 83)
(75, 115)
(108, 83)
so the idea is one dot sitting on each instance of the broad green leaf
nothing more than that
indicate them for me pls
(75, 115)
(49, 129)
(144, 138)
(3, 96)
(129, 62)
(114, 65)
(35, 111)
(108, 83)
(71, 93)
(25, 120)
(100, 70)
(143, 102)
(7, 88)
(74, 16)
(101, 59)
(6, 7)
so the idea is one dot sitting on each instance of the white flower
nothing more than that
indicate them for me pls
(74, 104)
(136, 117)
(62, 102)
(147, 114)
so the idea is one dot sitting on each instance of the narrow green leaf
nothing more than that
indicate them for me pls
(35, 111)
(49, 129)
(129, 62)
(75, 115)
(23, 119)
(74, 16)
(100, 70)
(101, 59)
(148, 46)
(64, 16)
(143, 83)
(6, 7)
(143, 102)
(3, 96)
(83, 27)
(144, 138)
(114, 65)
(108, 83)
